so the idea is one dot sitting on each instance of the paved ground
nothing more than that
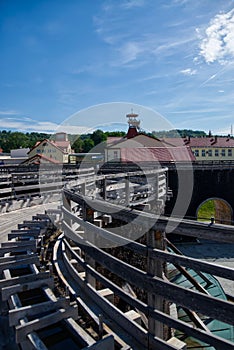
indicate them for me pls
(218, 253)
(9, 221)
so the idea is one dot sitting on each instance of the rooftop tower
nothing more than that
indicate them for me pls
(134, 125)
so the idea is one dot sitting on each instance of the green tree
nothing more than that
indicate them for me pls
(78, 145)
(88, 145)
(98, 136)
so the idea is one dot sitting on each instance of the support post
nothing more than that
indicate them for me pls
(155, 267)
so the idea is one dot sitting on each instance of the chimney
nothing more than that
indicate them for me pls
(214, 140)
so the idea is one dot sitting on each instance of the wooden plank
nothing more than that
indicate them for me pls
(23, 330)
(18, 249)
(31, 310)
(23, 279)
(107, 343)
(189, 228)
(17, 288)
(15, 257)
(109, 309)
(193, 263)
(23, 235)
(33, 230)
(32, 224)
(13, 244)
(79, 332)
(208, 338)
(11, 264)
(207, 305)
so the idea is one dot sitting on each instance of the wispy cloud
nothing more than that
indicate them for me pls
(8, 112)
(188, 71)
(129, 4)
(25, 124)
(132, 43)
(217, 43)
(224, 69)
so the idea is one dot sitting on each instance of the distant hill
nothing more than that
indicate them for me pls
(179, 133)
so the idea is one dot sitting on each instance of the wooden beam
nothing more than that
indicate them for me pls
(23, 279)
(185, 261)
(208, 338)
(207, 305)
(31, 310)
(23, 287)
(11, 264)
(23, 330)
(189, 228)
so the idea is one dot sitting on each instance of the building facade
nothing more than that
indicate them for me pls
(214, 148)
(138, 147)
(54, 151)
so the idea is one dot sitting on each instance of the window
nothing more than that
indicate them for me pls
(210, 152)
(216, 153)
(223, 153)
(203, 153)
(196, 152)
(229, 152)
(115, 154)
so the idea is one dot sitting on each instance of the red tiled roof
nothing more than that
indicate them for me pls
(140, 140)
(63, 144)
(111, 140)
(160, 154)
(214, 141)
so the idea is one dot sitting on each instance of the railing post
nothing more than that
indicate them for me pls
(67, 205)
(155, 267)
(127, 191)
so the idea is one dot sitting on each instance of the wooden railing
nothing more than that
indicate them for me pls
(85, 259)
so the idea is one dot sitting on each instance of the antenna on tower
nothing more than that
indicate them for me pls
(231, 131)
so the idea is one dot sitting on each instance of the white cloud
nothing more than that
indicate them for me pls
(188, 71)
(8, 112)
(130, 51)
(218, 42)
(25, 124)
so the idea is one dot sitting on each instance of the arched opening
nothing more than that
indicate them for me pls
(216, 208)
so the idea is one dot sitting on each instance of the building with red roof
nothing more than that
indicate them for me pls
(49, 150)
(213, 148)
(138, 147)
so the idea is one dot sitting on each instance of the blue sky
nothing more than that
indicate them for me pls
(170, 61)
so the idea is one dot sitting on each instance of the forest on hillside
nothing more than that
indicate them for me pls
(80, 143)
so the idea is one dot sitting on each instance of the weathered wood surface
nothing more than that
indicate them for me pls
(207, 305)
(31, 310)
(190, 228)
(157, 315)
(13, 263)
(17, 288)
(186, 261)
(45, 321)
(23, 279)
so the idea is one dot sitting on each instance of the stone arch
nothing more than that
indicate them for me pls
(223, 212)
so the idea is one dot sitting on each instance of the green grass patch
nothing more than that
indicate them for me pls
(206, 210)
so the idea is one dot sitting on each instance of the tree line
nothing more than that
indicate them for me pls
(80, 143)
(10, 140)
